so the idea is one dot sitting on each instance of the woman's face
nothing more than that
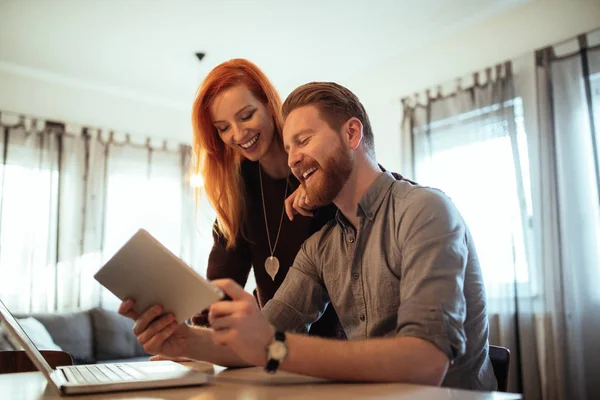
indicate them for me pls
(243, 122)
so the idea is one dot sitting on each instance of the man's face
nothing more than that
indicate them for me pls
(317, 155)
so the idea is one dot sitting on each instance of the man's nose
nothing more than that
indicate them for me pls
(294, 158)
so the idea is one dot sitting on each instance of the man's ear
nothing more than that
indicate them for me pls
(354, 132)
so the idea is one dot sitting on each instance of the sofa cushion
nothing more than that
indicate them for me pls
(72, 332)
(37, 333)
(114, 338)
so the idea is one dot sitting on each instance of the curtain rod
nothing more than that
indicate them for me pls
(86, 128)
(458, 81)
(492, 74)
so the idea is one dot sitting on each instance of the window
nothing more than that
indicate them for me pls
(28, 215)
(472, 159)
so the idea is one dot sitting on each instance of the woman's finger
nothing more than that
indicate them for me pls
(301, 202)
(301, 205)
(289, 208)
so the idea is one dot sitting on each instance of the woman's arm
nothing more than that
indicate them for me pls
(226, 263)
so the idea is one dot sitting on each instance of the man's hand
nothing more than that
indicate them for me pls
(161, 336)
(297, 203)
(240, 325)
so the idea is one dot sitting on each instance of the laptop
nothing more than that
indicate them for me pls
(98, 378)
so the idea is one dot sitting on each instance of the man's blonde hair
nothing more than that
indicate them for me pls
(336, 105)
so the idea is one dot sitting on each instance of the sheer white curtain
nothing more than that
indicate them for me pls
(28, 214)
(471, 144)
(568, 232)
(69, 200)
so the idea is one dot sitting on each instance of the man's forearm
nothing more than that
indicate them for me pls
(403, 359)
(202, 348)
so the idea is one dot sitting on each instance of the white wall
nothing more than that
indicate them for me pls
(508, 36)
(46, 96)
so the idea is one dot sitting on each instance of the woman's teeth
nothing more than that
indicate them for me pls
(250, 142)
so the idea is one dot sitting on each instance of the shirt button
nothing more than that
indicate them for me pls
(351, 240)
(355, 276)
(362, 317)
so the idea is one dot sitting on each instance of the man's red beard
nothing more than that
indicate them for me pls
(330, 177)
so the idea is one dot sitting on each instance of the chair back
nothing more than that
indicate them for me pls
(500, 357)
(12, 361)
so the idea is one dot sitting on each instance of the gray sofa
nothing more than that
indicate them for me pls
(91, 336)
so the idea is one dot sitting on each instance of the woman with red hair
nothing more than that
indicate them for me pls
(239, 153)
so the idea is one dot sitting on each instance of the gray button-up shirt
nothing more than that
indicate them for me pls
(411, 269)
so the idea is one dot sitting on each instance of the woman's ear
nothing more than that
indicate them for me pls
(354, 132)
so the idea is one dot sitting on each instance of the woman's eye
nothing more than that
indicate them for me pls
(222, 129)
(247, 116)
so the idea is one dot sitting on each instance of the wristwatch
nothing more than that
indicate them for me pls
(276, 352)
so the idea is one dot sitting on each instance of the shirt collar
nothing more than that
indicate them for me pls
(371, 200)
(373, 197)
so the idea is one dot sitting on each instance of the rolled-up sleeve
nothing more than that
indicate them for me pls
(301, 299)
(434, 257)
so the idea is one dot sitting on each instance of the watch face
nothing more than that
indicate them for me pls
(277, 350)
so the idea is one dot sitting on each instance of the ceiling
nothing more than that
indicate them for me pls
(145, 49)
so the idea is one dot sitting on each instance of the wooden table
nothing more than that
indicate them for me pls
(249, 384)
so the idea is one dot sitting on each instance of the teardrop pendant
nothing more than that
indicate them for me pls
(272, 266)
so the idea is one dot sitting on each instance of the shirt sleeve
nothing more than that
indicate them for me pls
(433, 236)
(223, 263)
(301, 299)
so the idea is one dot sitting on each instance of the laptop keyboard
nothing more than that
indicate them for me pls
(103, 373)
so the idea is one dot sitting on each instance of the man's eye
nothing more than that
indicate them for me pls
(304, 141)
(247, 116)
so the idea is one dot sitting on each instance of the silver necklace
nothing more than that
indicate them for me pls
(272, 263)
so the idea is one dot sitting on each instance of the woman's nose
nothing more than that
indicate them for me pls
(238, 132)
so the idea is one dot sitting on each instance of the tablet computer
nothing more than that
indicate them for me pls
(146, 271)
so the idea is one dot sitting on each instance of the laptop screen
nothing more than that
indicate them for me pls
(19, 334)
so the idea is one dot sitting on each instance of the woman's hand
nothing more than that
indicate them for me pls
(297, 203)
(159, 335)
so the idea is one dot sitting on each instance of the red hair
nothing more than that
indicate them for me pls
(218, 164)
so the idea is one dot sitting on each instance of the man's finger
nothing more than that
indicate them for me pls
(155, 343)
(144, 320)
(155, 327)
(226, 322)
(231, 288)
(222, 308)
(126, 309)
(164, 358)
